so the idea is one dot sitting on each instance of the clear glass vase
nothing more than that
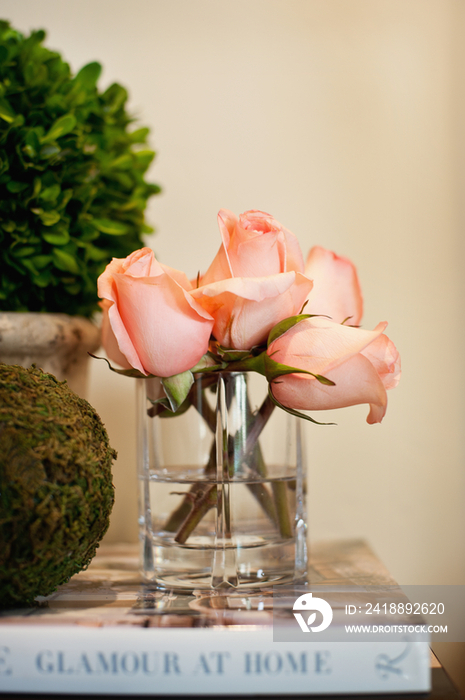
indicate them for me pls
(222, 486)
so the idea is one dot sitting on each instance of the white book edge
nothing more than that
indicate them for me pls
(202, 661)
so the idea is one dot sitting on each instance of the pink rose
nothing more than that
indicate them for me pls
(362, 364)
(255, 280)
(246, 309)
(150, 318)
(254, 245)
(336, 290)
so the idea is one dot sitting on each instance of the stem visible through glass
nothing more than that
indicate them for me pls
(242, 449)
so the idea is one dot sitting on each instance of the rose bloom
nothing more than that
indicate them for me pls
(150, 320)
(362, 364)
(255, 280)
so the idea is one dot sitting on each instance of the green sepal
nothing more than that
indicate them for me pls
(177, 388)
(229, 355)
(274, 369)
(292, 411)
(125, 372)
(208, 363)
(254, 363)
(165, 408)
(161, 402)
(324, 380)
(351, 325)
(285, 325)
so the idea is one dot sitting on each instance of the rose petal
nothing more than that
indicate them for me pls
(245, 310)
(142, 263)
(109, 341)
(336, 290)
(385, 358)
(356, 382)
(319, 345)
(180, 277)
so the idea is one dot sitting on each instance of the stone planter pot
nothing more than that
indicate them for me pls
(56, 343)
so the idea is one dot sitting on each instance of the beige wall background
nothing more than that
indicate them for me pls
(343, 119)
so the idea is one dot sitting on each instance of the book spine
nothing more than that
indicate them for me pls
(138, 661)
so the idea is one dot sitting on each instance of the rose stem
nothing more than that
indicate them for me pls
(198, 400)
(200, 498)
(196, 502)
(178, 516)
(282, 507)
(279, 489)
(259, 490)
(201, 506)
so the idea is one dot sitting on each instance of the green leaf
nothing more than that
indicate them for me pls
(32, 140)
(62, 126)
(292, 411)
(88, 75)
(144, 158)
(37, 187)
(177, 388)
(65, 262)
(59, 237)
(15, 187)
(114, 228)
(92, 252)
(49, 218)
(29, 151)
(18, 121)
(29, 265)
(6, 111)
(44, 279)
(48, 151)
(50, 194)
(73, 289)
(23, 251)
(139, 135)
(3, 54)
(123, 162)
(114, 98)
(41, 261)
(4, 163)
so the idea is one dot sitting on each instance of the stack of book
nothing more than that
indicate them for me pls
(106, 631)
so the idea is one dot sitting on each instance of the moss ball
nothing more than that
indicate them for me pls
(56, 490)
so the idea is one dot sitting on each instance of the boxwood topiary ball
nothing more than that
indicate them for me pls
(56, 490)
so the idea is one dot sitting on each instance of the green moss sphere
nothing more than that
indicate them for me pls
(56, 490)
